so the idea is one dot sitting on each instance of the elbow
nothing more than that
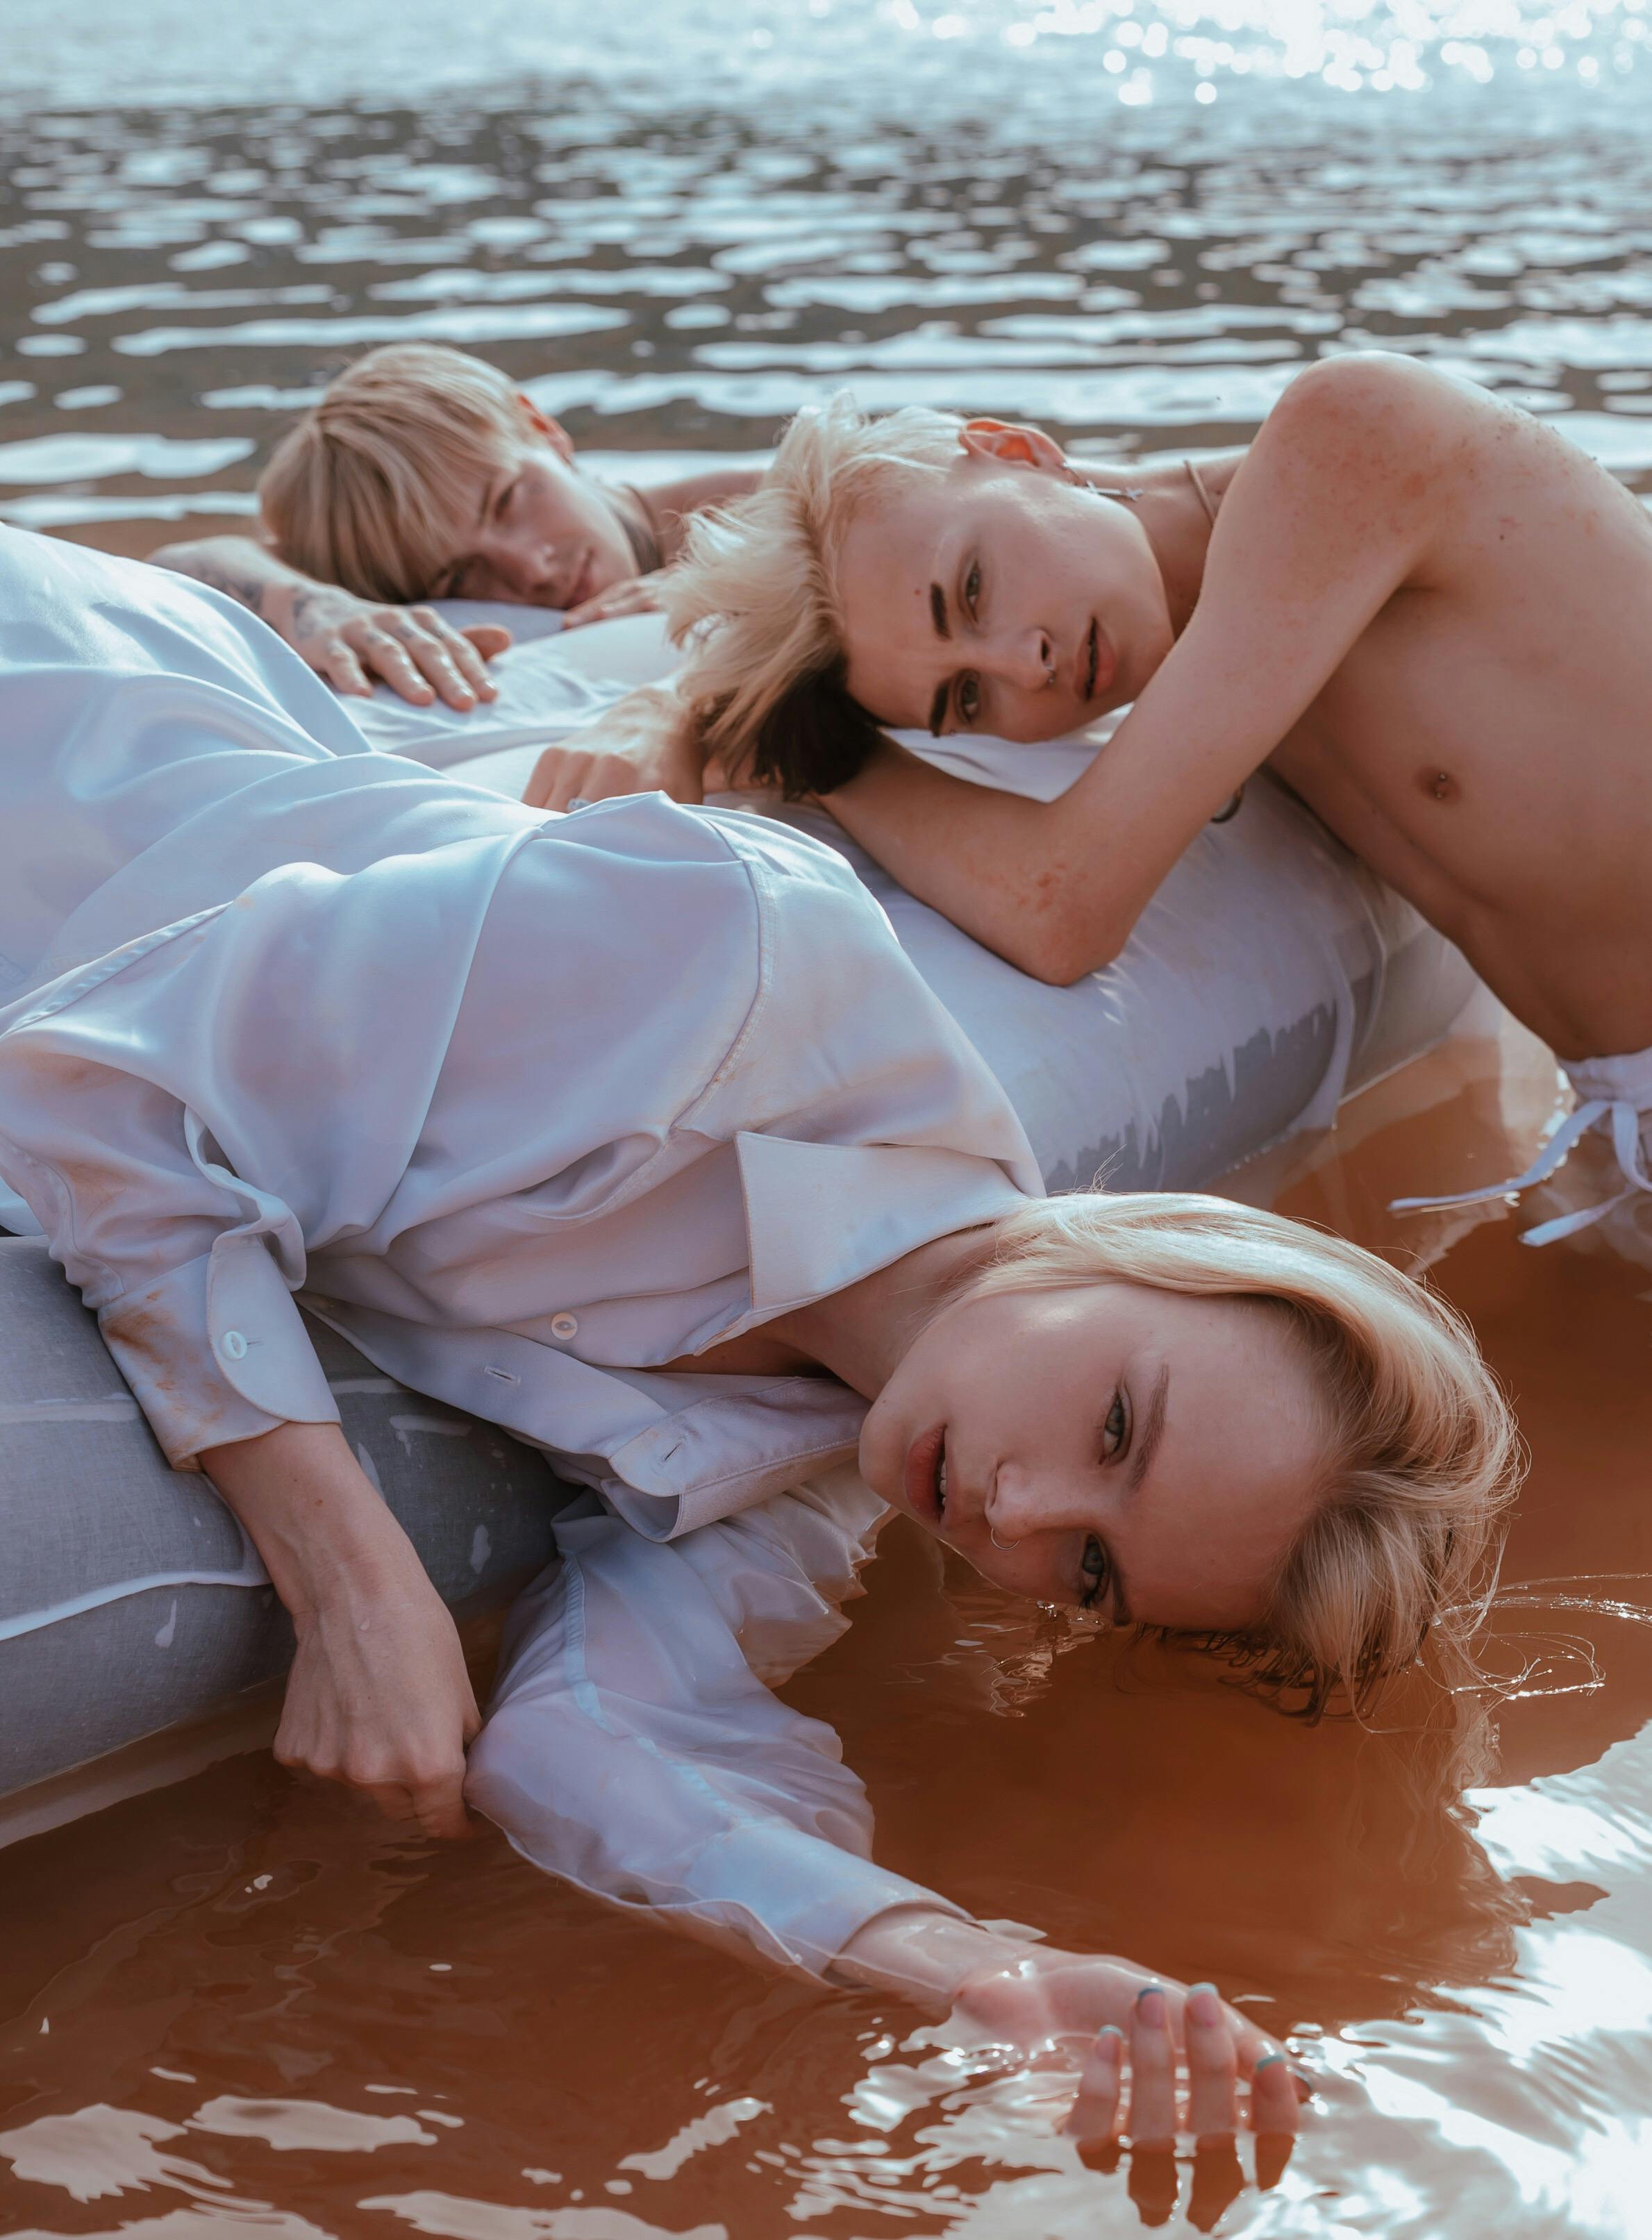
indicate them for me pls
(1060, 955)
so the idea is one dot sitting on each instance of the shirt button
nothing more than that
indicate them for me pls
(233, 1346)
(565, 1326)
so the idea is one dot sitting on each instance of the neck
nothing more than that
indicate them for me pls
(1173, 520)
(860, 1333)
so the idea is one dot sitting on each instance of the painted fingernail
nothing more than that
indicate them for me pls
(1205, 2007)
(1109, 2039)
(1149, 2002)
(1268, 2060)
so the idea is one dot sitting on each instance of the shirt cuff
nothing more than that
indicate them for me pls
(797, 1897)
(216, 1351)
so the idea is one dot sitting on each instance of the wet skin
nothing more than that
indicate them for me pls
(1423, 609)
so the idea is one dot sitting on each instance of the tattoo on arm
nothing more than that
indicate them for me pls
(236, 583)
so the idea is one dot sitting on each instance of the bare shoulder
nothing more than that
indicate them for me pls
(1375, 420)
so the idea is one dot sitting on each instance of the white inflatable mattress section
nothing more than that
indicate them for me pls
(1271, 975)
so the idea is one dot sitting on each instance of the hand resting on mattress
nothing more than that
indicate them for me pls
(643, 743)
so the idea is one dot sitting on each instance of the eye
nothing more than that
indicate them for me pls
(1096, 1567)
(969, 699)
(502, 504)
(1115, 1431)
(972, 586)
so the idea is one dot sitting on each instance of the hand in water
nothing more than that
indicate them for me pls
(638, 595)
(1155, 2113)
(379, 1699)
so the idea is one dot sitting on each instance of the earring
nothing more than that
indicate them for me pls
(1126, 496)
(1007, 1545)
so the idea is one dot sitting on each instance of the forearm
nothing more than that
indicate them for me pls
(670, 504)
(323, 1531)
(238, 566)
(997, 865)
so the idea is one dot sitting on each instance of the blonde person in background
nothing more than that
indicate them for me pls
(423, 474)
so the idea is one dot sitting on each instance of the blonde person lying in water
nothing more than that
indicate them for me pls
(423, 474)
(635, 1132)
(1421, 608)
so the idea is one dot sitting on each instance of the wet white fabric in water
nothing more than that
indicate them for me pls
(1615, 1095)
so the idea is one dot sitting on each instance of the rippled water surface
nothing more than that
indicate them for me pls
(235, 2006)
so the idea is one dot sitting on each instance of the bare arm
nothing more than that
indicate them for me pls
(668, 504)
(1329, 515)
(378, 1697)
(352, 642)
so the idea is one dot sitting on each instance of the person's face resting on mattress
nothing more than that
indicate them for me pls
(1420, 606)
(424, 473)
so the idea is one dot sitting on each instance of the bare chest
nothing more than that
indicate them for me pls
(1479, 742)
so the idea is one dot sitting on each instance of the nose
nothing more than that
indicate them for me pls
(1023, 1503)
(525, 562)
(1028, 659)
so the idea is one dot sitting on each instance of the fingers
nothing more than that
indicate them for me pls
(489, 639)
(558, 779)
(430, 638)
(338, 666)
(1151, 2118)
(637, 595)
(440, 1810)
(1213, 2065)
(1274, 2106)
(1218, 2180)
(1093, 2118)
(561, 777)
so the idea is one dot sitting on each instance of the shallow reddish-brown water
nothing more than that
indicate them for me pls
(235, 2005)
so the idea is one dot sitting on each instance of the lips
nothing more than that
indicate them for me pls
(920, 1480)
(1096, 664)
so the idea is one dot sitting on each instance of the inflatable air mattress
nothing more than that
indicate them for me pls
(1269, 978)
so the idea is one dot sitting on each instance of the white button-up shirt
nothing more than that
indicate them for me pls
(524, 1105)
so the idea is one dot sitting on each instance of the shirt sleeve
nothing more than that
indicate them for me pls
(191, 1270)
(634, 1749)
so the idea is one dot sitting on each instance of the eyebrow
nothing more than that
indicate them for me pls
(1152, 1430)
(492, 496)
(1141, 1463)
(943, 690)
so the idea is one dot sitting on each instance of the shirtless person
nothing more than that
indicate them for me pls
(1422, 608)
(424, 474)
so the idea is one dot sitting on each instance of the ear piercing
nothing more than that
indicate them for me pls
(1007, 1545)
(1129, 496)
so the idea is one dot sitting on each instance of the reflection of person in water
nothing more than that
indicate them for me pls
(1422, 608)
(424, 473)
(637, 1132)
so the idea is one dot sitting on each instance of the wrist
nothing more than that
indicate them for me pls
(925, 1953)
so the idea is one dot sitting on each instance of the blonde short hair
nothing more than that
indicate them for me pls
(375, 488)
(1421, 1451)
(755, 595)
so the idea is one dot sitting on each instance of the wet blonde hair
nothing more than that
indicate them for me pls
(1421, 1453)
(375, 488)
(754, 599)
